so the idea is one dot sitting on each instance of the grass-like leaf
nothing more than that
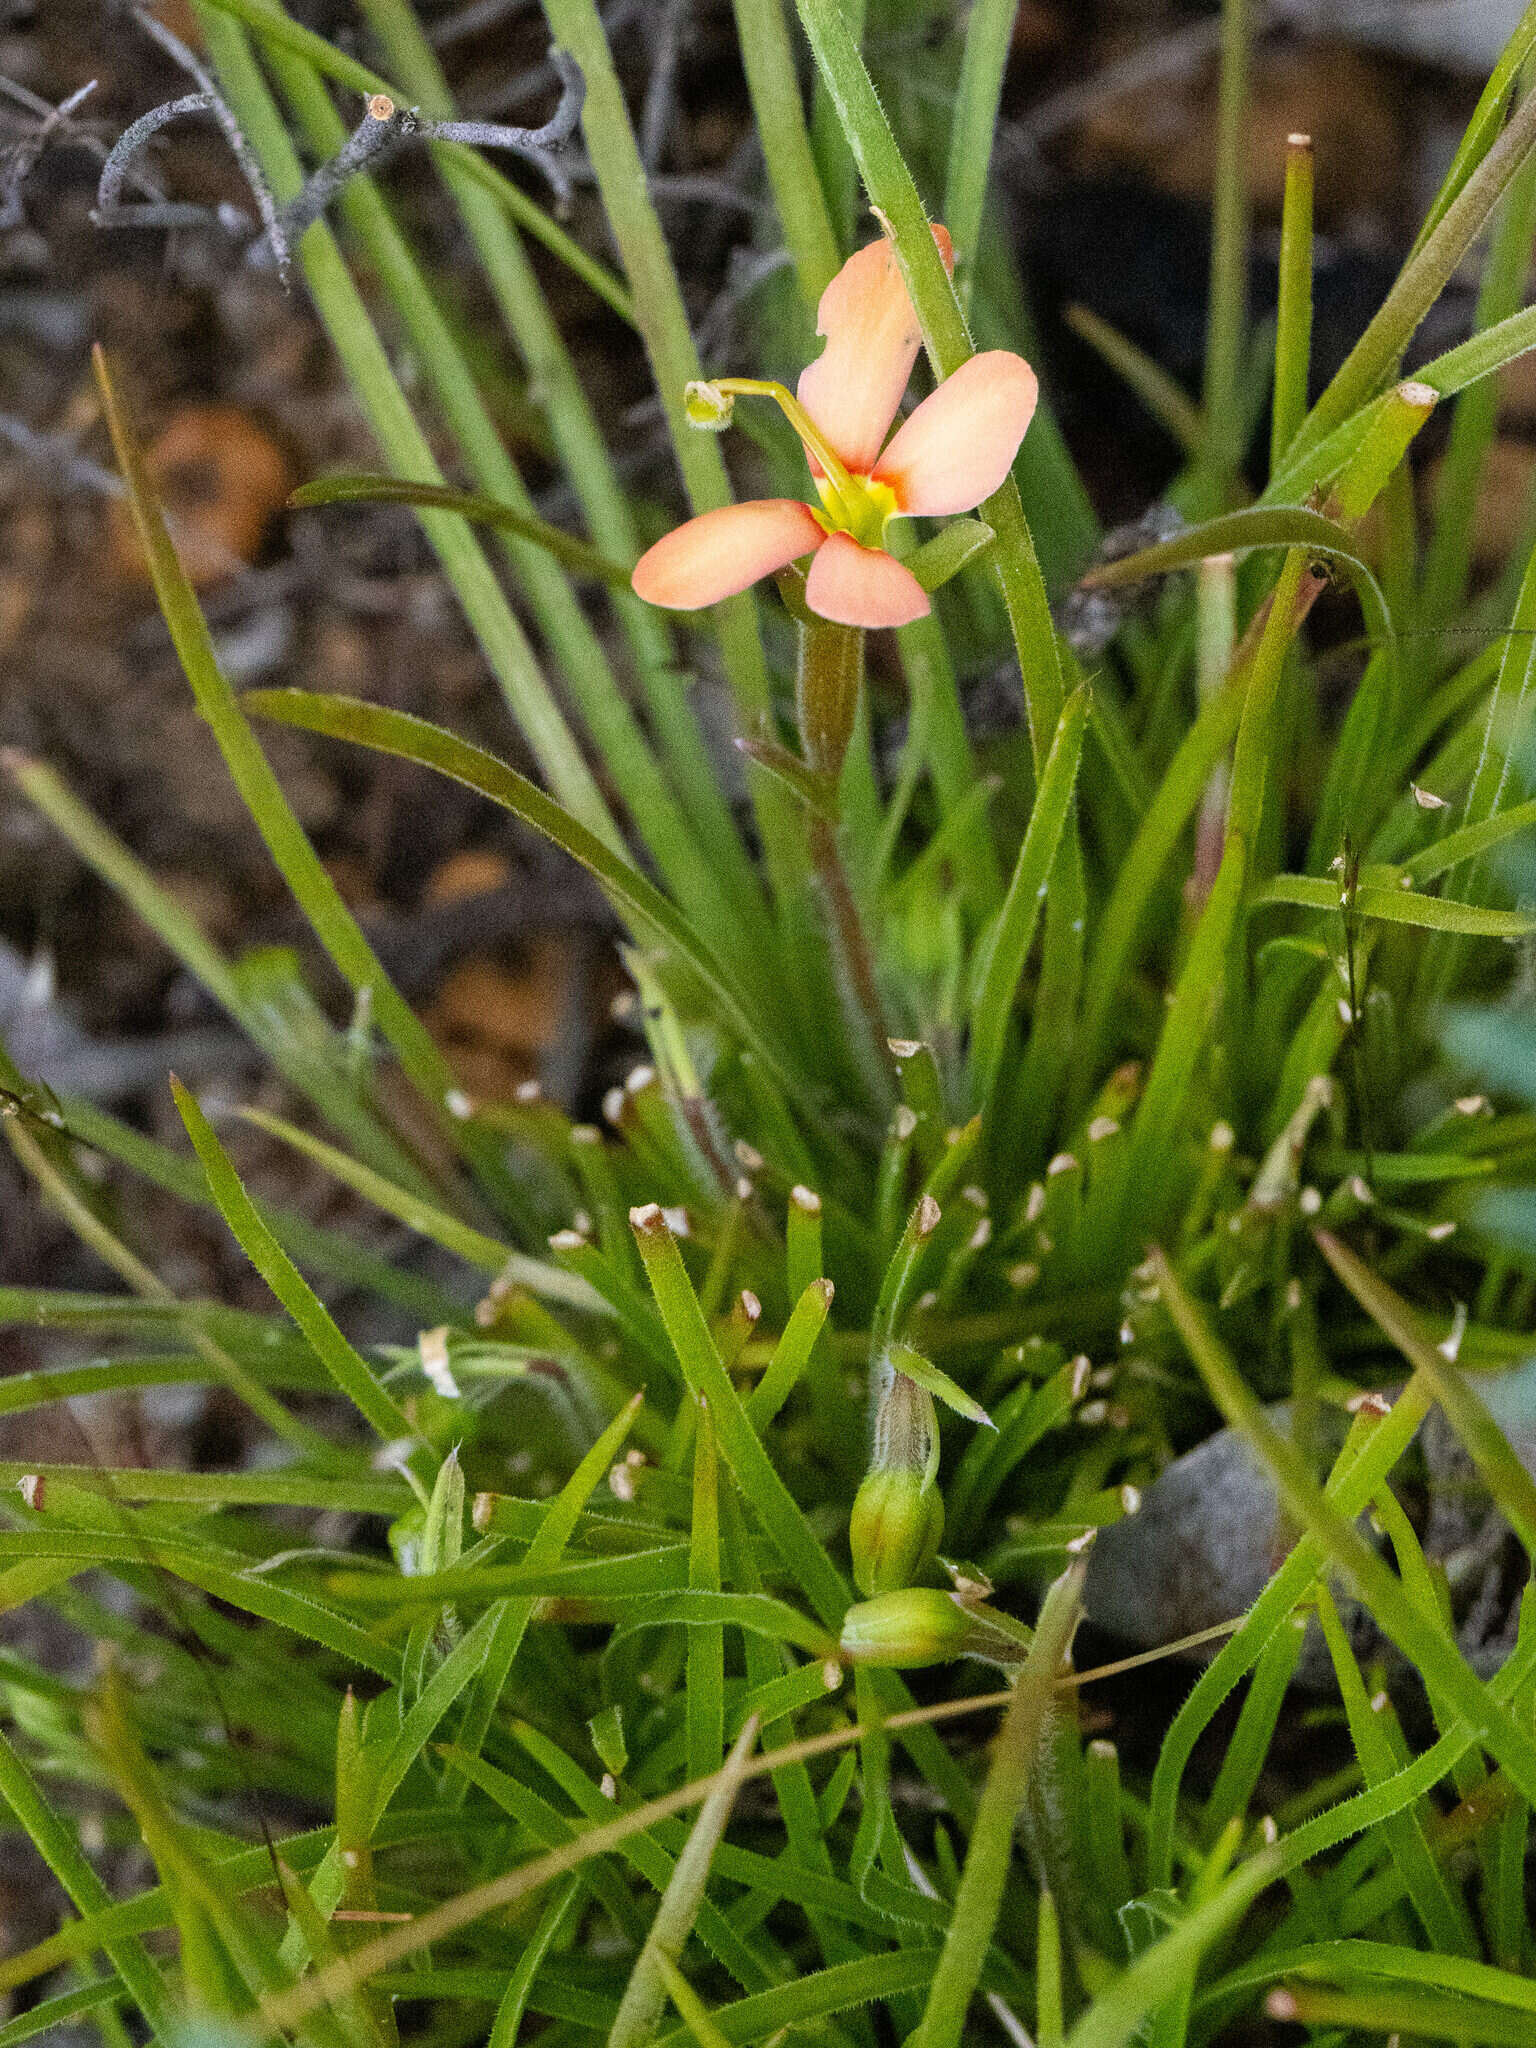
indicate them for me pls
(415, 739)
(347, 1367)
(474, 506)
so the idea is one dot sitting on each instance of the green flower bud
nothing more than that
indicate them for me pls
(921, 1625)
(894, 1534)
(918, 1625)
(898, 1516)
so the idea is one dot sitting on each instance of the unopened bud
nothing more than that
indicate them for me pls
(894, 1531)
(898, 1516)
(918, 1625)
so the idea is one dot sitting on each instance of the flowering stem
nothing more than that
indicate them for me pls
(856, 968)
(827, 680)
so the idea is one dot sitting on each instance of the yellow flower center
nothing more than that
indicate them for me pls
(861, 508)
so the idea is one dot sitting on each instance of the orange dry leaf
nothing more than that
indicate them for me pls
(494, 1021)
(473, 871)
(222, 479)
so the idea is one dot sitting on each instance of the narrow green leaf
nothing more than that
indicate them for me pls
(708, 1607)
(1350, 1960)
(1482, 130)
(347, 1367)
(514, 2000)
(1002, 964)
(959, 544)
(359, 1493)
(1414, 2015)
(1118, 2010)
(477, 507)
(414, 739)
(986, 43)
(54, 2012)
(1469, 842)
(939, 1384)
(488, 1254)
(846, 1986)
(1439, 1908)
(761, 1486)
(56, 1843)
(1399, 906)
(773, 82)
(546, 1549)
(1486, 1443)
(1293, 314)
(1257, 526)
(1420, 1639)
(704, 1683)
(790, 1357)
(300, 866)
(1422, 279)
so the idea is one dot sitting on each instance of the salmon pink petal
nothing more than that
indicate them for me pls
(858, 586)
(960, 443)
(853, 388)
(723, 552)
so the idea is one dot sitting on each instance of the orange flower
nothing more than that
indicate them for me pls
(954, 451)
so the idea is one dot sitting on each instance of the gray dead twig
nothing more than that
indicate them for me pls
(383, 132)
(18, 158)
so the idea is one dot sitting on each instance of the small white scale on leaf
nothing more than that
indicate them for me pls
(433, 1346)
(621, 1483)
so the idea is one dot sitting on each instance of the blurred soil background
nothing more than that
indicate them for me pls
(1103, 165)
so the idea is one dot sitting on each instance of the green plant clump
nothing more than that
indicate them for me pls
(675, 1642)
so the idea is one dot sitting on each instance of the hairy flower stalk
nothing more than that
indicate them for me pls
(828, 677)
